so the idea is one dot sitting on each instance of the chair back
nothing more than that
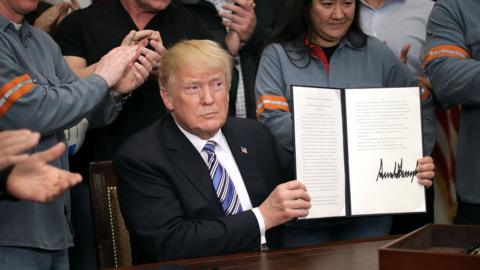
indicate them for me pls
(112, 238)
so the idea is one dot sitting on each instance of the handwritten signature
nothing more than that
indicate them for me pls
(397, 172)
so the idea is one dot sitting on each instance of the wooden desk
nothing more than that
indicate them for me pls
(346, 255)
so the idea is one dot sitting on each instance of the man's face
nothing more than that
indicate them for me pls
(198, 100)
(153, 5)
(14, 10)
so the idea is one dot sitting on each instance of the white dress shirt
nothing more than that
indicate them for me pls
(225, 157)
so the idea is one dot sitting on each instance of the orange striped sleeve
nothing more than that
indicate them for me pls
(272, 103)
(13, 90)
(13, 83)
(445, 51)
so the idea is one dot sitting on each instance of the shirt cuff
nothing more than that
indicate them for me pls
(98, 80)
(261, 225)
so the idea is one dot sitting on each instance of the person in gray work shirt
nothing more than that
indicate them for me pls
(452, 54)
(39, 92)
(327, 48)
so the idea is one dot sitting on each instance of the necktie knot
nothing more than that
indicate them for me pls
(209, 147)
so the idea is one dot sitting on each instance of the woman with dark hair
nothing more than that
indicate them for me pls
(320, 43)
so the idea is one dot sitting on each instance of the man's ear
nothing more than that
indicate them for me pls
(167, 101)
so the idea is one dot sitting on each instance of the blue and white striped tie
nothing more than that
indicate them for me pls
(226, 194)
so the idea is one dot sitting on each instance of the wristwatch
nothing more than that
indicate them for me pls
(119, 97)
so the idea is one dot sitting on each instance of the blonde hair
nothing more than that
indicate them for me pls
(197, 54)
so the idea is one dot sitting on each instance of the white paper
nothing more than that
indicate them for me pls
(319, 149)
(384, 143)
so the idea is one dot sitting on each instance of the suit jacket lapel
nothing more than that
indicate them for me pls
(189, 162)
(253, 181)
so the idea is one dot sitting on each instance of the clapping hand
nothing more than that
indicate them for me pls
(35, 180)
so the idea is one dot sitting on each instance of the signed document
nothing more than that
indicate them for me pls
(356, 149)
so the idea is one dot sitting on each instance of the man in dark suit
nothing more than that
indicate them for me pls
(197, 183)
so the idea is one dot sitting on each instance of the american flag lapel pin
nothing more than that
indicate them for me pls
(244, 150)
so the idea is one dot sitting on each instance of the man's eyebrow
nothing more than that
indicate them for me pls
(216, 78)
(190, 81)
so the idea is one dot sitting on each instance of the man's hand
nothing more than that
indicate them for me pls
(113, 65)
(239, 17)
(157, 44)
(150, 58)
(425, 171)
(54, 15)
(13, 144)
(136, 74)
(144, 38)
(33, 179)
(287, 201)
(134, 37)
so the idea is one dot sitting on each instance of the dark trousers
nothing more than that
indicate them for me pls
(467, 213)
(83, 254)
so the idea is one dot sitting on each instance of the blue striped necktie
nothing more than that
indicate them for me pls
(226, 194)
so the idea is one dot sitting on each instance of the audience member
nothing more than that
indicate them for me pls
(51, 17)
(402, 25)
(165, 171)
(31, 178)
(85, 36)
(320, 43)
(39, 92)
(244, 25)
(452, 60)
(88, 34)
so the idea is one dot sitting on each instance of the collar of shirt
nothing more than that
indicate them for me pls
(199, 143)
(24, 31)
(17, 25)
